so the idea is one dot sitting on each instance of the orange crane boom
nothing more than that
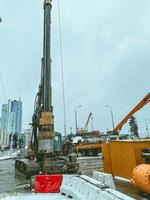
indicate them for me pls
(140, 105)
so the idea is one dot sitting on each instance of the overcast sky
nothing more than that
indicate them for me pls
(106, 55)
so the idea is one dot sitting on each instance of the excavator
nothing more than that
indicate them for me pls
(93, 148)
(140, 105)
(45, 154)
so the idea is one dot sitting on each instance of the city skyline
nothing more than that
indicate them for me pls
(11, 119)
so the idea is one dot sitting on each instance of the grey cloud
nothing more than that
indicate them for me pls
(105, 51)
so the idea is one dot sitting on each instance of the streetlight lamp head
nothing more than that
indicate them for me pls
(0, 19)
(79, 106)
(111, 115)
(108, 106)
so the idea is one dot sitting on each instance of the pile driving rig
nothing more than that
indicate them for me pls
(45, 154)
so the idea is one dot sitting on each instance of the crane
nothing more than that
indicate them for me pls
(87, 122)
(85, 129)
(140, 105)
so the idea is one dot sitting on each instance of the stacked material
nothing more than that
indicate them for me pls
(89, 164)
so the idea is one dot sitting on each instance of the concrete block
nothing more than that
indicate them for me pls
(66, 185)
(86, 188)
(105, 179)
(119, 195)
(94, 182)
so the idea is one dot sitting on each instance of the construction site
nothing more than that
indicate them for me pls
(85, 164)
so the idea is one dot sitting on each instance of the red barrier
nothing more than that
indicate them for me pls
(48, 183)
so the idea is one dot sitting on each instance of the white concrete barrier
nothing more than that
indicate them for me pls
(105, 179)
(94, 182)
(86, 188)
(67, 185)
(119, 194)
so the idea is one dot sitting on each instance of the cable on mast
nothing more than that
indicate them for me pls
(62, 67)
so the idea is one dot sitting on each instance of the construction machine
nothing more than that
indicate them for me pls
(137, 158)
(87, 123)
(85, 129)
(45, 153)
(140, 105)
(92, 148)
(89, 146)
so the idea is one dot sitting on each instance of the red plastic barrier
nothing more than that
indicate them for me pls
(48, 183)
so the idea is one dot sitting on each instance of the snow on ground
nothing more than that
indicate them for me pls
(7, 157)
(35, 197)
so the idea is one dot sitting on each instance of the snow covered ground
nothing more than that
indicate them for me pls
(35, 197)
(7, 155)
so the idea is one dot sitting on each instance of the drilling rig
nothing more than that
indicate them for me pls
(43, 155)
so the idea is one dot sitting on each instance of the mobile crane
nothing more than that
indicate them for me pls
(85, 129)
(43, 155)
(91, 140)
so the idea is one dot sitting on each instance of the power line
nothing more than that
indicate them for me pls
(62, 67)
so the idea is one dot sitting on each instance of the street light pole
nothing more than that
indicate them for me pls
(146, 125)
(76, 119)
(112, 116)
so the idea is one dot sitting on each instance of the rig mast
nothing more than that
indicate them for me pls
(46, 122)
(43, 118)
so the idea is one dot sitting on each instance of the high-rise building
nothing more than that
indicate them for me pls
(4, 121)
(11, 117)
(14, 116)
(4, 117)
